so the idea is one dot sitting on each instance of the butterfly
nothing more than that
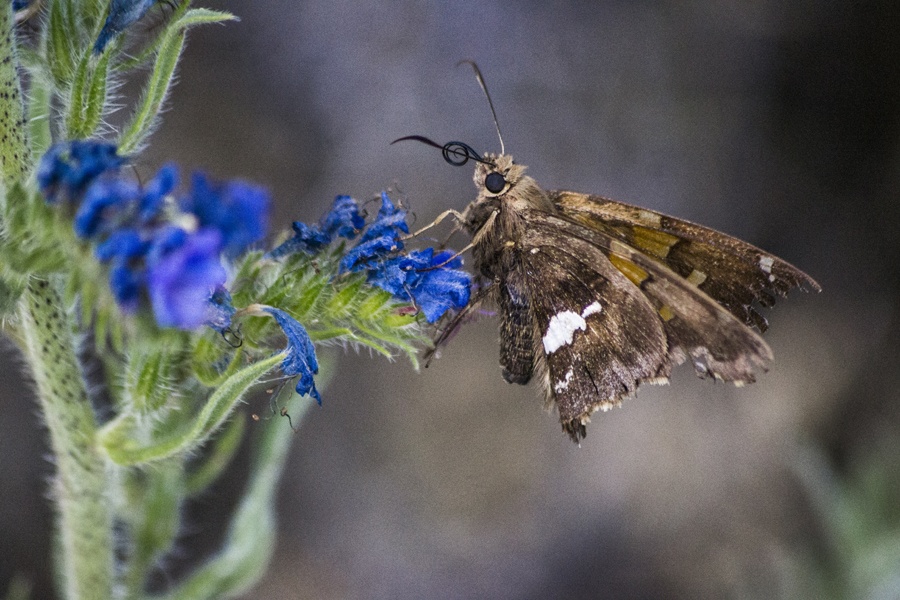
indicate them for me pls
(596, 297)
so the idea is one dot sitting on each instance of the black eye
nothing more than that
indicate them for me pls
(495, 183)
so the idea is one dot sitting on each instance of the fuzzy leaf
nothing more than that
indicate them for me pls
(171, 44)
(88, 97)
(120, 444)
(60, 42)
(250, 540)
(223, 449)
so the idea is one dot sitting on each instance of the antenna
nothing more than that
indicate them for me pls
(484, 89)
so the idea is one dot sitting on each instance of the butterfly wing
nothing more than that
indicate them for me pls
(734, 273)
(608, 317)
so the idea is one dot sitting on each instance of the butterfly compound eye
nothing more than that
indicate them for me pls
(495, 182)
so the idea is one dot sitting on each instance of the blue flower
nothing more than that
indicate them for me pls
(181, 279)
(239, 211)
(69, 167)
(367, 254)
(155, 192)
(301, 354)
(122, 14)
(430, 280)
(98, 208)
(343, 220)
(221, 310)
(389, 221)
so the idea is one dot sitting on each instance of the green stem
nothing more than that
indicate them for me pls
(82, 480)
(14, 154)
(80, 488)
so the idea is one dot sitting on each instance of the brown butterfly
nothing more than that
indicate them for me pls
(596, 297)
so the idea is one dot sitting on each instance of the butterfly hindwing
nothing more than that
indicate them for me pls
(649, 319)
(597, 336)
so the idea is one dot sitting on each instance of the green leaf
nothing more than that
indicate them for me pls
(171, 44)
(153, 516)
(10, 292)
(60, 40)
(88, 97)
(341, 302)
(250, 540)
(118, 440)
(223, 450)
(150, 377)
(39, 116)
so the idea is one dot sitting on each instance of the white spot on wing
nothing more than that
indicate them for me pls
(562, 384)
(591, 309)
(562, 329)
(765, 263)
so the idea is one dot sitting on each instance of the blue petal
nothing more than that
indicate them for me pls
(122, 14)
(238, 210)
(368, 253)
(221, 311)
(124, 244)
(343, 220)
(413, 277)
(125, 284)
(301, 354)
(388, 219)
(69, 167)
(155, 192)
(97, 210)
(307, 238)
(181, 281)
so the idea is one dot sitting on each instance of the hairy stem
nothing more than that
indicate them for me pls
(82, 478)
(81, 483)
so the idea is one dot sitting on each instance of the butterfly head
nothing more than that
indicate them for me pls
(497, 174)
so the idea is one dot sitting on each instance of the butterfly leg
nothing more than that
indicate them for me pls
(447, 213)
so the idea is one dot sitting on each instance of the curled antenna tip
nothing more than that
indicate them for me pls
(455, 153)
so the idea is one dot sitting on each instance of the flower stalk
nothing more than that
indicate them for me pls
(186, 316)
(82, 477)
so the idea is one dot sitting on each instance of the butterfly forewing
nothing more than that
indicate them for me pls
(734, 273)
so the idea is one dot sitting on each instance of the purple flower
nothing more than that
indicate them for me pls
(238, 210)
(301, 354)
(181, 279)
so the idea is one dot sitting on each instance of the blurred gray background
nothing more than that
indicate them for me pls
(775, 122)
